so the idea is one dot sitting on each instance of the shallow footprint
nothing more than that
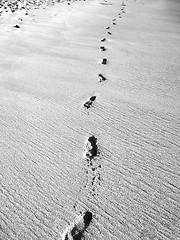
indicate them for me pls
(102, 48)
(109, 33)
(77, 229)
(103, 40)
(101, 78)
(16, 26)
(89, 102)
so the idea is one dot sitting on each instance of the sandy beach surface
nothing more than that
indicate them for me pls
(90, 121)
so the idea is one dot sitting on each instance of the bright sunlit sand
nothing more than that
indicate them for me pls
(90, 120)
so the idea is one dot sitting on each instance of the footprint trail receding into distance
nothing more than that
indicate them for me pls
(93, 161)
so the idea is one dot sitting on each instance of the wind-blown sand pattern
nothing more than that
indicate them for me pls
(56, 93)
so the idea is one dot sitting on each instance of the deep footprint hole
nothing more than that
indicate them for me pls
(93, 98)
(93, 151)
(87, 218)
(104, 61)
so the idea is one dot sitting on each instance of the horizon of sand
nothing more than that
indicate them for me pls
(90, 121)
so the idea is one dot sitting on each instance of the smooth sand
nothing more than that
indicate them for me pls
(48, 70)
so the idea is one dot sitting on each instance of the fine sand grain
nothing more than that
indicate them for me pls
(90, 121)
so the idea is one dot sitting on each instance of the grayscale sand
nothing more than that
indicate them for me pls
(71, 141)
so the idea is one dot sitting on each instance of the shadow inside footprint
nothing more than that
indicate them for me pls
(87, 218)
(77, 230)
(89, 102)
(16, 26)
(93, 98)
(104, 61)
(102, 48)
(91, 150)
(101, 78)
(103, 40)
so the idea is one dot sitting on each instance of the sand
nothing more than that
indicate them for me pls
(80, 133)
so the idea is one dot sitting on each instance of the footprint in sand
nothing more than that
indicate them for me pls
(91, 148)
(92, 156)
(103, 40)
(101, 78)
(114, 23)
(77, 229)
(109, 33)
(108, 28)
(16, 26)
(102, 48)
(104, 61)
(88, 104)
(114, 19)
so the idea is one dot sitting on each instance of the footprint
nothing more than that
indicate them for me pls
(104, 61)
(109, 33)
(76, 230)
(114, 23)
(114, 19)
(93, 98)
(103, 40)
(108, 28)
(101, 78)
(16, 26)
(91, 148)
(89, 102)
(102, 48)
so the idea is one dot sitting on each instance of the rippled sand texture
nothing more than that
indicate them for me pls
(79, 133)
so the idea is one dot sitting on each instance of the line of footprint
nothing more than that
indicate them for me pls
(91, 155)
